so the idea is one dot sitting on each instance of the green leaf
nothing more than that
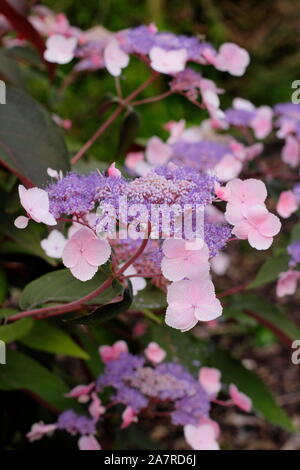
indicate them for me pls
(193, 352)
(22, 372)
(107, 312)
(3, 286)
(7, 312)
(30, 142)
(295, 236)
(150, 298)
(46, 337)
(270, 271)
(93, 337)
(106, 102)
(9, 68)
(61, 286)
(13, 331)
(27, 241)
(128, 131)
(269, 314)
(26, 54)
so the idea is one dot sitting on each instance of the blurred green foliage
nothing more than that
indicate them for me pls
(268, 30)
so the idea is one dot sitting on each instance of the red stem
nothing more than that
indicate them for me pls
(21, 24)
(46, 312)
(152, 99)
(122, 104)
(233, 290)
(270, 326)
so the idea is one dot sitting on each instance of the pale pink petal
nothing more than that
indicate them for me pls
(287, 283)
(173, 269)
(83, 270)
(241, 103)
(83, 237)
(291, 151)
(262, 122)
(23, 195)
(133, 158)
(169, 62)
(177, 292)
(111, 353)
(138, 283)
(96, 409)
(106, 353)
(258, 241)
(180, 317)
(209, 378)
(113, 171)
(128, 417)
(241, 230)
(155, 353)
(47, 219)
(209, 311)
(287, 204)
(88, 443)
(115, 58)
(201, 437)
(240, 400)
(176, 130)
(81, 392)
(21, 222)
(39, 430)
(253, 192)
(174, 248)
(266, 223)
(228, 168)
(59, 49)
(220, 264)
(234, 189)
(234, 214)
(97, 252)
(120, 347)
(233, 59)
(54, 245)
(157, 152)
(71, 254)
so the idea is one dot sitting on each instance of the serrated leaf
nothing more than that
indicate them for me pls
(46, 337)
(30, 142)
(61, 286)
(270, 270)
(13, 331)
(21, 372)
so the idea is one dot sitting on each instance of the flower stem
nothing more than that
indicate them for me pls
(233, 290)
(61, 309)
(152, 99)
(122, 104)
